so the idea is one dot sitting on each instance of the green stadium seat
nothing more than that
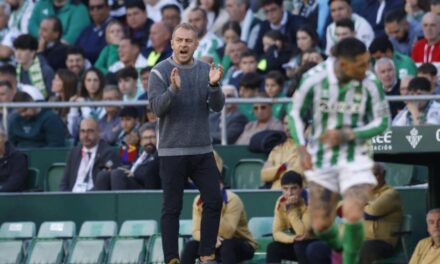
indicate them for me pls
(399, 174)
(155, 252)
(14, 241)
(130, 246)
(92, 244)
(185, 227)
(247, 174)
(33, 180)
(52, 243)
(54, 176)
(261, 226)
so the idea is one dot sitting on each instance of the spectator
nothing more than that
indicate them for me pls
(128, 84)
(114, 33)
(435, 6)
(35, 127)
(427, 250)
(264, 121)
(49, 43)
(344, 29)
(416, 9)
(85, 161)
(76, 62)
(340, 9)
(249, 88)
(386, 73)
(9, 73)
(138, 22)
(403, 33)
(306, 9)
(208, 41)
(280, 20)
(65, 11)
(18, 22)
(282, 158)
(429, 71)
(129, 52)
(13, 166)
(247, 64)
(404, 85)
(276, 52)
(160, 37)
(375, 12)
(171, 15)
(154, 8)
(428, 49)
(233, 51)
(235, 120)
(419, 112)
(109, 124)
(231, 34)
(216, 14)
(91, 89)
(274, 86)
(145, 76)
(128, 139)
(235, 243)
(64, 87)
(381, 47)
(91, 40)
(32, 69)
(291, 213)
(5, 11)
(143, 174)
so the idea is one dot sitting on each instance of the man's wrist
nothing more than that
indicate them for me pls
(213, 84)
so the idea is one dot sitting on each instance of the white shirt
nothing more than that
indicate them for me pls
(432, 116)
(85, 168)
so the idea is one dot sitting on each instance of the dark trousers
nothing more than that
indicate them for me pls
(116, 180)
(319, 253)
(277, 251)
(174, 172)
(231, 251)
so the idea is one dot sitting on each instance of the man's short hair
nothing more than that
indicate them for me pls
(250, 80)
(8, 69)
(135, 4)
(133, 41)
(127, 72)
(396, 15)
(129, 111)
(6, 84)
(292, 177)
(26, 42)
(145, 69)
(269, 2)
(383, 61)
(382, 44)
(419, 83)
(248, 53)
(186, 26)
(198, 9)
(433, 210)
(349, 48)
(22, 97)
(346, 23)
(427, 68)
(147, 126)
(170, 6)
(112, 88)
(347, 1)
(277, 76)
(275, 35)
(75, 51)
(57, 25)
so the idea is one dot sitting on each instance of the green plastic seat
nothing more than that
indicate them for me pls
(33, 180)
(52, 242)
(155, 251)
(14, 241)
(92, 244)
(130, 246)
(247, 174)
(17, 230)
(261, 226)
(185, 227)
(54, 176)
(11, 252)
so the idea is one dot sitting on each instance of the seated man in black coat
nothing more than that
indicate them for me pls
(85, 161)
(13, 166)
(143, 174)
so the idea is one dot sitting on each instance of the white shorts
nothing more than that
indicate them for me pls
(341, 177)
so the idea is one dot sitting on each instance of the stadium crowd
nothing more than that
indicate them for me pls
(98, 50)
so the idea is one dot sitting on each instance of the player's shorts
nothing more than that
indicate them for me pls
(341, 177)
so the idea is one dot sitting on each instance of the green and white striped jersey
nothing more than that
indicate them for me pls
(360, 106)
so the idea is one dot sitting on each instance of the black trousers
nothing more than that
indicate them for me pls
(277, 251)
(174, 172)
(231, 251)
(116, 180)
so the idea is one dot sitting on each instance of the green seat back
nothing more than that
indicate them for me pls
(54, 176)
(88, 251)
(128, 251)
(11, 252)
(260, 226)
(66, 229)
(141, 228)
(247, 174)
(98, 229)
(155, 251)
(33, 179)
(47, 251)
(185, 227)
(20, 230)
(399, 174)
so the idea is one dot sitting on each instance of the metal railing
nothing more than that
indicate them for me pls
(6, 106)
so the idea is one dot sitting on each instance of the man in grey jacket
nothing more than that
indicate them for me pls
(182, 90)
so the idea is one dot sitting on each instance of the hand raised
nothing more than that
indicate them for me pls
(175, 79)
(215, 74)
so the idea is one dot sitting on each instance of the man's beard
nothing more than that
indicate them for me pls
(150, 148)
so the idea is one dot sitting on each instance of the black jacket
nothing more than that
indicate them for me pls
(13, 170)
(147, 173)
(104, 154)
